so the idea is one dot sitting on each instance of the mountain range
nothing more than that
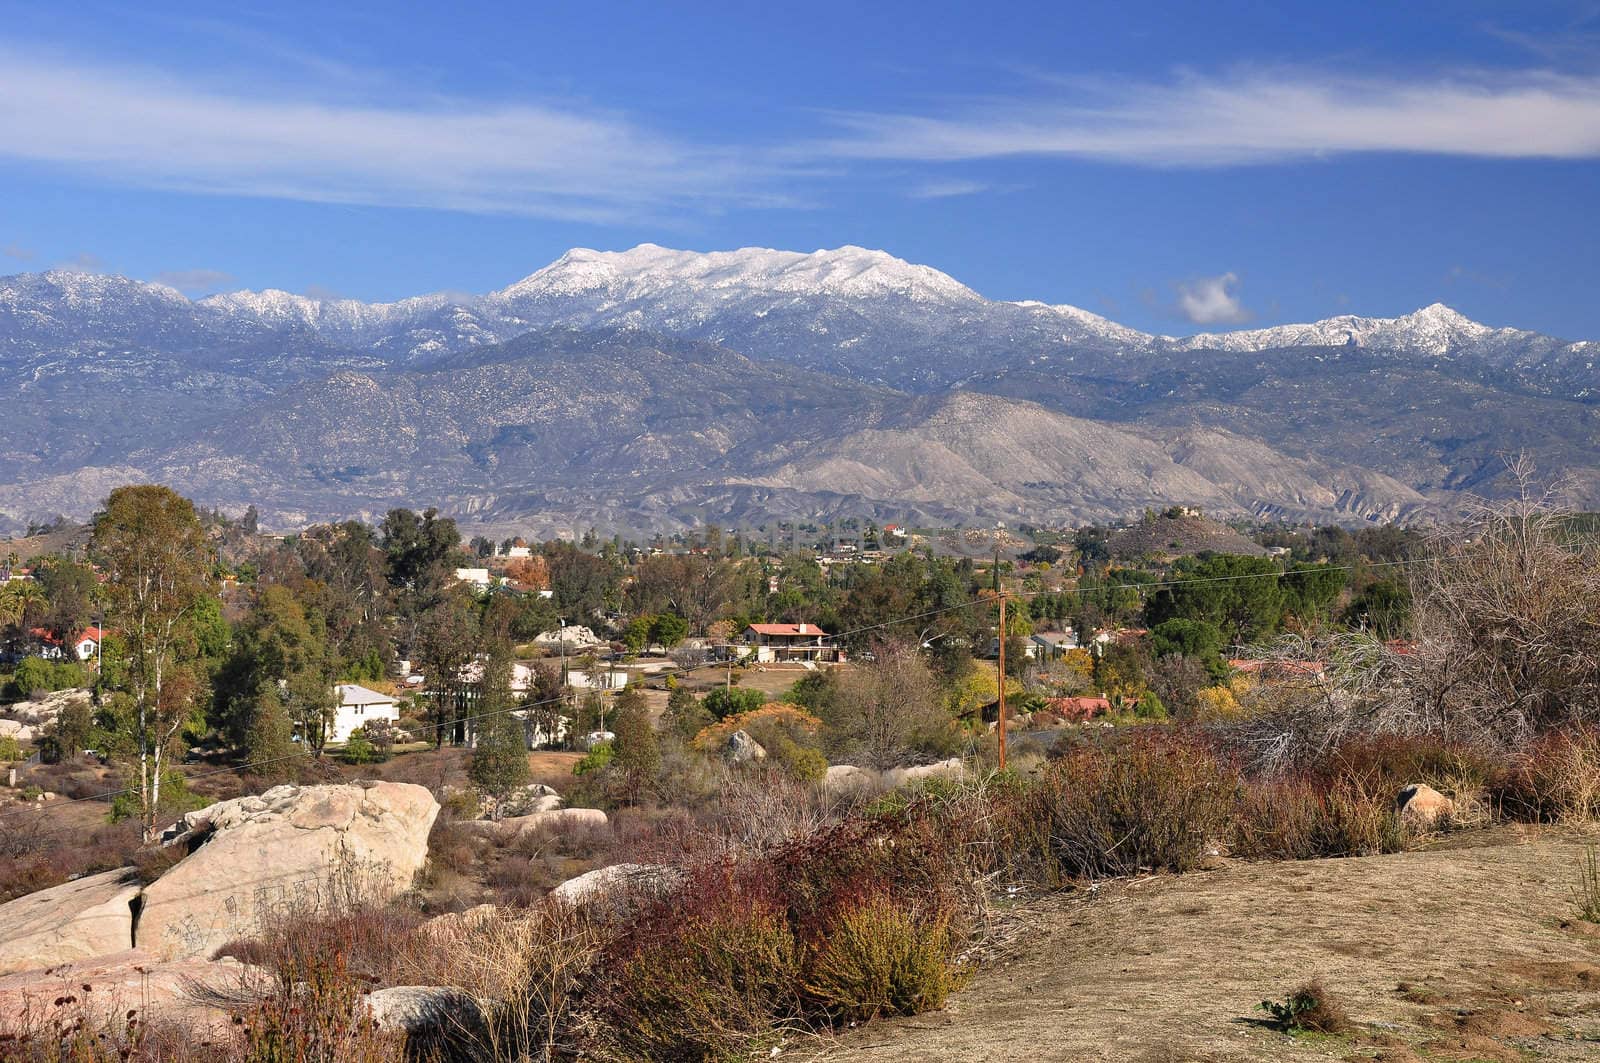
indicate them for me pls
(654, 388)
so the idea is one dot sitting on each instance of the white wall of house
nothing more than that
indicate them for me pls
(358, 706)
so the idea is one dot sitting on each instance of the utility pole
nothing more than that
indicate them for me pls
(1002, 721)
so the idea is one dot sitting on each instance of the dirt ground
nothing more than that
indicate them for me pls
(1465, 951)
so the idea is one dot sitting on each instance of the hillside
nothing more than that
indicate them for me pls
(1427, 951)
(752, 384)
(1179, 533)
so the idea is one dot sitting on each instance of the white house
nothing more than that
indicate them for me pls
(478, 577)
(357, 707)
(579, 679)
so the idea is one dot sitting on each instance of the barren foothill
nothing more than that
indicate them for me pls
(1462, 951)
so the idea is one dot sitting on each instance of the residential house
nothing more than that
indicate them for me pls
(357, 707)
(790, 642)
(1080, 708)
(1051, 645)
(1269, 670)
(478, 577)
(87, 644)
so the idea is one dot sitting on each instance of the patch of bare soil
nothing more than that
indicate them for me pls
(1464, 952)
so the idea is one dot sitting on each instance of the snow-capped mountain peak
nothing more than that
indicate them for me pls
(648, 271)
(1435, 329)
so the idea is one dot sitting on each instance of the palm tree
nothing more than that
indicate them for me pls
(15, 599)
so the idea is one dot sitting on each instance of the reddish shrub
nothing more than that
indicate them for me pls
(714, 976)
(1556, 781)
(1301, 819)
(1151, 803)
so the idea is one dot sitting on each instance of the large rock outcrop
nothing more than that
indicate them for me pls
(194, 992)
(26, 721)
(291, 848)
(92, 916)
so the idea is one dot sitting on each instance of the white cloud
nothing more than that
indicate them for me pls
(947, 189)
(83, 262)
(1241, 118)
(194, 280)
(18, 252)
(1212, 301)
(538, 159)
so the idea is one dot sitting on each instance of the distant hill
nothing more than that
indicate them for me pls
(1179, 533)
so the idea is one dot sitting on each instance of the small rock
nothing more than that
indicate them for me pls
(1421, 805)
(432, 1013)
(615, 893)
(740, 748)
(944, 769)
(846, 777)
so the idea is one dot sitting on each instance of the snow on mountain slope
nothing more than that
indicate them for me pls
(652, 272)
(333, 318)
(1084, 323)
(1434, 330)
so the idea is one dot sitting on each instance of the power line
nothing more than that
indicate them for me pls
(251, 765)
(1141, 587)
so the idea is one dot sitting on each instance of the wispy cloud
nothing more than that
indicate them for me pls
(1252, 117)
(947, 189)
(1212, 301)
(83, 262)
(539, 159)
(18, 252)
(194, 280)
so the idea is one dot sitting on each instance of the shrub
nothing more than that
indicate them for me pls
(315, 1014)
(36, 677)
(357, 749)
(1556, 781)
(879, 958)
(771, 718)
(1379, 767)
(1151, 803)
(531, 966)
(176, 799)
(9, 749)
(1309, 1009)
(714, 979)
(723, 702)
(1302, 819)
(597, 758)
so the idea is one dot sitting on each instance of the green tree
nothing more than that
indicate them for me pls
(1242, 596)
(150, 545)
(636, 752)
(1383, 607)
(269, 740)
(636, 636)
(447, 637)
(723, 702)
(668, 629)
(283, 645)
(500, 758)
(685, 716)
(1196, 639)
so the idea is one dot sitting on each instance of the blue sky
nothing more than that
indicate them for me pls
(1174, 166)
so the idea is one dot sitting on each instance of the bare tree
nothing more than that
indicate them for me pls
(887, 709)
(1507, 624)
